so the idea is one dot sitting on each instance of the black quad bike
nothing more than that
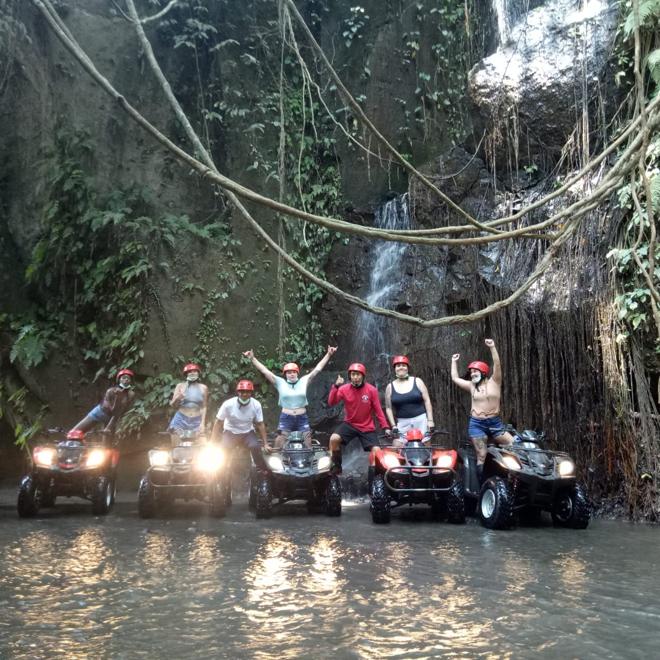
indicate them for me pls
(81, 466)
(419, 472)
(189, 468)
(522, 480)
(297, 471)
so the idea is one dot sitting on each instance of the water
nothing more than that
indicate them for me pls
(373, 338)
(76, 586)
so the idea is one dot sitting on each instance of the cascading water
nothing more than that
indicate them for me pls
(374, 336)
(507, 14)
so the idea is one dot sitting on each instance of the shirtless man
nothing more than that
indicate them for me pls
(486, 393)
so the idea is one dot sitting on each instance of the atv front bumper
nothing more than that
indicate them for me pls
(537, 490)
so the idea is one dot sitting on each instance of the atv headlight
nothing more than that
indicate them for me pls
(159, 458)
(511, 462)
(44, 456)
(391, 461)
(275, 463)
(95, 458)
(444, 461)
(324, 463)
(210, 458)
(566, 468)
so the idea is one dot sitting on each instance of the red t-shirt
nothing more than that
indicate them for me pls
(360, 404)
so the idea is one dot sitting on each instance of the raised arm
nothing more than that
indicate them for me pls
(322, 362)
(270, 376)
(427, 403)
(388, 405)
(178, 395)
(461, 382)
(497, 366)
(335, 395)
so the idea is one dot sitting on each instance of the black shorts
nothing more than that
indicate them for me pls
(347, 432)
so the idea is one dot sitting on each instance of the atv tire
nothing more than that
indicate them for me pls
(380, 501)
(29, 498)
(264, 502)
(496, 504)
(146, 499)
(333, 497)
(218, 500)
(571, 509)
(456, 504)
(103, 496)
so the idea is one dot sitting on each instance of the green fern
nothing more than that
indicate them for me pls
(653, 63)
(649, 11)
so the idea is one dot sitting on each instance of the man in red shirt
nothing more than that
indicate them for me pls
(361, 402)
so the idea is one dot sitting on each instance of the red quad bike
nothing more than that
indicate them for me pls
(416, 473)
(66, 465)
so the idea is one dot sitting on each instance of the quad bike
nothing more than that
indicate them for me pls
(67, 465)
(416, 473)
(520, 481)
(189, 468)
(297, 471)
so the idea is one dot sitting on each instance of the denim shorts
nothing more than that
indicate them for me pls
(181, 422)
(98, 415)
(293, 423)
(485, 427)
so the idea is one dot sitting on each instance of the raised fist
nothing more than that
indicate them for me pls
(332, 350)
(340, 380)
(249, 354)
(455, 356)
(490, 343)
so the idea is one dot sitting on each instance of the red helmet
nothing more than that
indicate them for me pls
(480, 366)
(191, 366)
(400, 359)
(245, 385)
(125, 372)
(290, 366)
(356, 366)
(75, 434)
(414, 435)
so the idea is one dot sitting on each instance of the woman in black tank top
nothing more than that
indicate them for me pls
(407, 401)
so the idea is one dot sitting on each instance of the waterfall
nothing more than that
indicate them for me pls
(375, 337)
(507, 14)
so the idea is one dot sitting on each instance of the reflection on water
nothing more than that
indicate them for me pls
(306, 586)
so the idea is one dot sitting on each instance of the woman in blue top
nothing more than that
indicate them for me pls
(293, 394)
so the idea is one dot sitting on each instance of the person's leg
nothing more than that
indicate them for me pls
(283, 429)
(94, 417)
(256, 451)
(335, 453)
(302, 425)
(498, 432)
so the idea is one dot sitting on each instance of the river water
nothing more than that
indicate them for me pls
(77, 586)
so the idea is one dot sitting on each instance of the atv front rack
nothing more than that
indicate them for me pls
(407, 471)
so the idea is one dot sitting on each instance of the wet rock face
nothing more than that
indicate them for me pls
(555, 53)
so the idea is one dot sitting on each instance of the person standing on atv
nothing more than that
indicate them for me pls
(486, 391)
(238, 419)
(361, 403)
(293, 394)
(116, 401)
(190, 398)
(407, 401)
